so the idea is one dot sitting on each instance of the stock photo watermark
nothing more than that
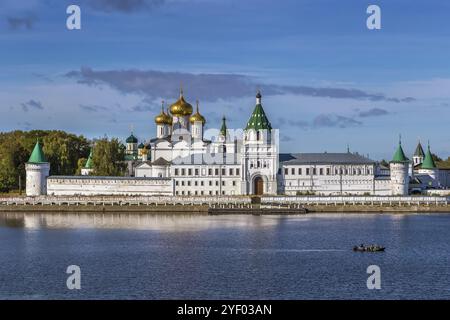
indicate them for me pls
(373, 22)
(374, 280)
(74, 280)
(73, 21)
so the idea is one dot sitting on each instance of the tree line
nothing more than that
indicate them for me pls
(67, 153)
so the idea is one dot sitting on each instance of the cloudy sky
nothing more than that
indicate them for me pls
(327, 81)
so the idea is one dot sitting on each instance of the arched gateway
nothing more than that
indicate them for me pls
(258, 186)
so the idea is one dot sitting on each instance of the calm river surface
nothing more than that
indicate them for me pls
(132, 256)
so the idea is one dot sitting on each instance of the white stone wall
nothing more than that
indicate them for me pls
(332, 179)
(37, 174)
(438, 192)
(382, 187)
(67, 186)
(367, 200)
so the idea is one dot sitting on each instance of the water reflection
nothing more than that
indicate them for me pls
(161, 222)
(223, 257)
(166, 221)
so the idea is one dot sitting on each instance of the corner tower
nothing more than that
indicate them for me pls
(37, 170)
(429, 167)
(399, 172)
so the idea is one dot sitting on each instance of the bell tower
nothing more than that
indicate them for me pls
(259, 153)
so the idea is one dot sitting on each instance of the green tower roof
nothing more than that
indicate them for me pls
(428, 161)
(399, 155)
(223, 129)
(132, 139)
(89, 164)
(258, 120)
(37, 156)
(419, 151)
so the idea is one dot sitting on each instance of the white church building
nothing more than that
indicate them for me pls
(180, 161)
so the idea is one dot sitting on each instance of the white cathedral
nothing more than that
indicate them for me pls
(179, 161)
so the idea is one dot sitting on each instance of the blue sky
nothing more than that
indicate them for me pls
(327, 81)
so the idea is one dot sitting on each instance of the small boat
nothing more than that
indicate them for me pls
(371, 248)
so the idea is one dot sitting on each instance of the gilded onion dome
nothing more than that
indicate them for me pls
(163, 118)
(181, 107)
(197, 117)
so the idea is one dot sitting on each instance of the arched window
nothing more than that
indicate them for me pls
(257, 135)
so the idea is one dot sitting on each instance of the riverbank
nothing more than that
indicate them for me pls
(278, 205)
(207, 210)
(378, 209)
(169, 209)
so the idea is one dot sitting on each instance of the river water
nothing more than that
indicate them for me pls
(140, 256)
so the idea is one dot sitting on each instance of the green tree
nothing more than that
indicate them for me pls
(80, 165)
(444, 164)
(8, 173)
(435, 157)
(62, 150)
(108, 158)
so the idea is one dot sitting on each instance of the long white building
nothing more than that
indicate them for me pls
(180, 161)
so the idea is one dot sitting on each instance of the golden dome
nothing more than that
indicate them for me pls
(181, 107)
(163, 118)
(197, 117)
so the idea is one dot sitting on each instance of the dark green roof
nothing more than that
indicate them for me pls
(37, 156)
(89, 163)
(141, 146)
(223, 129)
(419, 151)
(399, 155)
(428, 161)
(130, 157)
(132, 139)
(258, 120)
